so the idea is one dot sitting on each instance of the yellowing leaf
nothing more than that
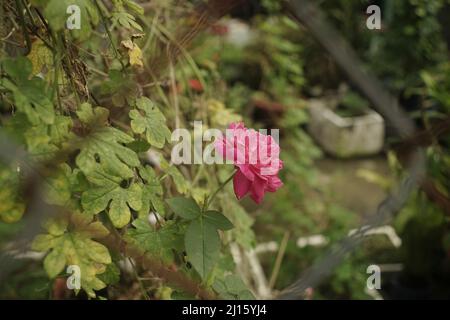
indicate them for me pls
(39, 143)
(57, 186)
(41, 57)
(74, 246)
(11, 206)
(134, 53)
(220, 115)
(136, 56)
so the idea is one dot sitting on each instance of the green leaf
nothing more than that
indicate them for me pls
(126, 20)
(242, 231)
(218, 220)
(31, 95)
(39, 143)
(15, 127)
(120, 87)
(19, 69)
(59, 131)
(107, 190)
(233, 288)
(186, 208)
(159, 243)
(111, 274)
(76, 247)
(151, 181)
(104, 146)
(181, 184)
(139, 146)
(134, 7)
(58, 186)
(56, 13)
(33, 99)
(202, 244)
(151, 193)
(92, 116)
(147, 118)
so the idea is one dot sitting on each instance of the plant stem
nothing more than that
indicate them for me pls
(222, 185)
(108, 32)
(23, 25)
(279, 259)
(141, 285)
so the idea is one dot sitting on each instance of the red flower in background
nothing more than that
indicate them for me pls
(219, 29)
(195, 85)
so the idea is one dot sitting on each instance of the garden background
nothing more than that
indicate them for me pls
(86, 176)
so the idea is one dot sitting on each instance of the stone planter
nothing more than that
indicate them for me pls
(345, 137)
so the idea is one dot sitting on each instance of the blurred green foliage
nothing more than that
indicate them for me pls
(267, 82)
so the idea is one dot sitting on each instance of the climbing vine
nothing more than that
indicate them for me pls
(93, 108)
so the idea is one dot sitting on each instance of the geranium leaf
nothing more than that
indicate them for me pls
(107, 189)
(148, 119)
(75, 247)
(58, 186)
(180, 182)
(31, 95)
(157, 242)
(151, 192)
(104, 146)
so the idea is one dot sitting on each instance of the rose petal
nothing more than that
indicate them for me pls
(241, 184)
(274, 184)
(257, 189)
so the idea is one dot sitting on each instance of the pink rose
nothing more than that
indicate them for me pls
(256, 157)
